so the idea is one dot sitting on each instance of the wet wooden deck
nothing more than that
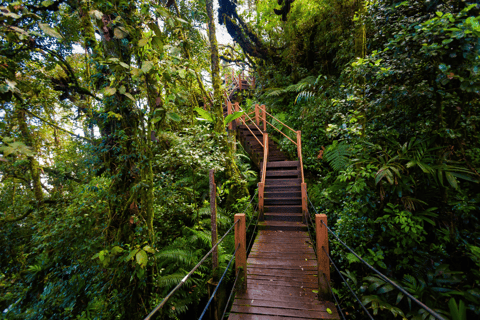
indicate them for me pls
(281, 280)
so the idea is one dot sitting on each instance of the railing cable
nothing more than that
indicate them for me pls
(230, 296)
(336, 301)
(164, 301)
(385, 278)
(351, 290)
(219, 282)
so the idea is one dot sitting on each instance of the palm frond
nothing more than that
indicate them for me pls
(176, 255)
(305, 95)
(172, 280)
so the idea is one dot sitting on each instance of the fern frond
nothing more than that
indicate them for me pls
(337, 155)
(198, 236)
(307, 95)
(176, 255)
(172, 280)
(275, 92)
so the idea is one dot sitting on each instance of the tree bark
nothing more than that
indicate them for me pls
(239, 186)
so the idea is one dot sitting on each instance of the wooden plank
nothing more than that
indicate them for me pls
(298, 305)
(241, 316)
(292, 292)
(283, 164)
(283, 284)
(299, 279)
(277, 262)
(285, 255)
(305, 314)
(258, 270)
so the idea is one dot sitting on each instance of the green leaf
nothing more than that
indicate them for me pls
(173, 116)
(232, 117)
(142, 258)
(109, 91)
(50, 31)
(149, 249)
(123, 64)
(451, 179)
(329, 311)
(440, 14)
(143, 42)
(117, 249)
(147, 66)
(204, 114)
(47, 3)
(157, 42)
(122, 90)
(131, 254)
(128, 95)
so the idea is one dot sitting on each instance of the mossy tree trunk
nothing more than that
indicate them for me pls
(238, 185)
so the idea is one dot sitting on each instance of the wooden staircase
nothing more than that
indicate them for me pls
(284, 279)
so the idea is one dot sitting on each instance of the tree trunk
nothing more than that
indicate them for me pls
(32, 162)
(238, 188)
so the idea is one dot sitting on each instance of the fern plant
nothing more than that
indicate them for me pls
(337, 155)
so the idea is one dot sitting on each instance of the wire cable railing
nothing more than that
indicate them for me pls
(218, 285)
(164, 301)
(189, 274)
(385, 278)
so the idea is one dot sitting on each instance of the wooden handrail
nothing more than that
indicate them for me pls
(265, 157)
(251, 131)
(299, 152)
(250, 119)
(282, 133)
(279, 121)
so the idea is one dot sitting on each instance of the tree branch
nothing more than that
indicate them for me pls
(56, 126)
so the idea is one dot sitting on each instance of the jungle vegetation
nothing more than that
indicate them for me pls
(104, 167)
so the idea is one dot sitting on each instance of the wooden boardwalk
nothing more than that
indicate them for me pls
(281, 280)
(282, 272)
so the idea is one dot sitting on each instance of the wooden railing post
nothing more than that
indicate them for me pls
(261, 191)
(257, 115)
(237, 109)
(304, 203)
(241, 254)
(322, 259)
(264, 118)
(240, 81)
(229, 112)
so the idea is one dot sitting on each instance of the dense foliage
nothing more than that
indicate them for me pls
(393, 148)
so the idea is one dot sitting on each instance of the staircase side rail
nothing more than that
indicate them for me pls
(279, 121)
(282, 133)
(299, 152)
(249, 118)
(251, 131)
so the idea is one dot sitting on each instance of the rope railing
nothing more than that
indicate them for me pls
(381, 275)
(218, 285)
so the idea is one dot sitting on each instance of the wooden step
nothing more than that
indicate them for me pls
(279, 216)
(283, 164)
(282, 201)
(282, 225)
(283, 173)
(283, 182)
(280, 188)
(283, 209)
(283, 194)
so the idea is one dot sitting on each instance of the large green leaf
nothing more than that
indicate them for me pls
(205, 115)
(232, 117)
(142, 258)
(50, 31)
